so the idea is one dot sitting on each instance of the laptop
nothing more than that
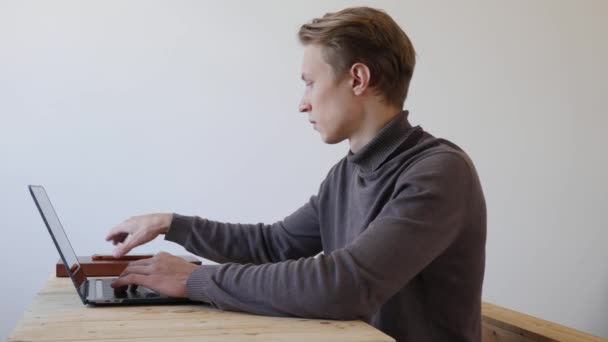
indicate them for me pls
(96, 291)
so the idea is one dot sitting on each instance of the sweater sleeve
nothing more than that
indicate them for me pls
(296, 236)
(416, 226)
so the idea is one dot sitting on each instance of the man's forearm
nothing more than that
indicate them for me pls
(294, 237)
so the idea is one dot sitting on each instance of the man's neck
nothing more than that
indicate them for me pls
(372, 123)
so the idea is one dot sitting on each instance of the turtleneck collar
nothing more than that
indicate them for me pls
(392, 135)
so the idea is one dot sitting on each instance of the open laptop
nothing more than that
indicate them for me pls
(91, 290)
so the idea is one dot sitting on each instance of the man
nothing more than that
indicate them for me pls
(401, 219)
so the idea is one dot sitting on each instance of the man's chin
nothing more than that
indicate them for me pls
(331, 140)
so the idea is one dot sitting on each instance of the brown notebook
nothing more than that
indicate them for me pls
(108, 266)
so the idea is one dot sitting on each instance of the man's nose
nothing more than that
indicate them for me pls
(304, 107)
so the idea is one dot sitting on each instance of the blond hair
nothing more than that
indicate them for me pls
(369, 36)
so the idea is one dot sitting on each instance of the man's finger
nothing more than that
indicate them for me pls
(162, 254)
(118, 237)
(141, 262)
(137, 269)
(120, 251)
(131, 279)
(119, 229)
(124, 249)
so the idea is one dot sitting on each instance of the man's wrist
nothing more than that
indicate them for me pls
(166, 220)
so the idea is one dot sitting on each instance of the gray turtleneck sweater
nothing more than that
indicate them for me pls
(402, 228)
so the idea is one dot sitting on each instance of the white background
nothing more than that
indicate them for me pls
(128, 107)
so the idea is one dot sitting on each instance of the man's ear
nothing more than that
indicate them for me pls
(360, 78)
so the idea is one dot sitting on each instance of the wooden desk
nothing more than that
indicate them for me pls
(57, 314)
(501, 324)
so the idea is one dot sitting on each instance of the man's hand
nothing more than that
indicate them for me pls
(138, 230)
(163, 273)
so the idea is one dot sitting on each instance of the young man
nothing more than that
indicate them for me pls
(401, 219)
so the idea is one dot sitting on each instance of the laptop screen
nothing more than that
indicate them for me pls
(49, 216)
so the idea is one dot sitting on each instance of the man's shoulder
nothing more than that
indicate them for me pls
(425, 158)
(432, 147)
(436, 157)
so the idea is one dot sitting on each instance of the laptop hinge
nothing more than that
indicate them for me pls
(86, 289)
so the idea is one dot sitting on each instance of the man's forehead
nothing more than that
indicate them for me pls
(313, 61)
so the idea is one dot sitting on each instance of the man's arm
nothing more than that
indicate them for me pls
(416, 226)
(294, 237)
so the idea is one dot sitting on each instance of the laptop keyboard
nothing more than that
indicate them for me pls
(104, 286)
(108, 290)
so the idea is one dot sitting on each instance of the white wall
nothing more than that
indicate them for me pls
(128, 107)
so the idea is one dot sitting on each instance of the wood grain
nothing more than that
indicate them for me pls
(502, 324)
(57, 314)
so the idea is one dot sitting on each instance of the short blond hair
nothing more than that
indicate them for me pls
(369, 36)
